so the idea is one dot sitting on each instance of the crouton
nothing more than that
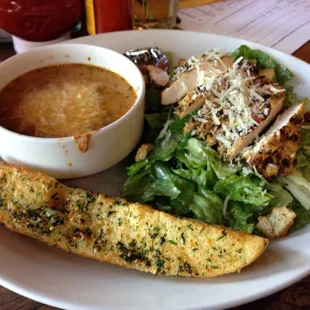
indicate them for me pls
(277, 223)
(143, 151)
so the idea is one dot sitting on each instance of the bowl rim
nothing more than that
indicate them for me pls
(140, 92)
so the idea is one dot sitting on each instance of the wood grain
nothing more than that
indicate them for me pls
(296, 297)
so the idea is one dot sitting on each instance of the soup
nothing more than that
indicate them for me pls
(64, 100)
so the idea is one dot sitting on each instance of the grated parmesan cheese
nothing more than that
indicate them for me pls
(193, 62)
(256, 172)
(165, 129)
(226, 142)
(225, 205)
(234, 101)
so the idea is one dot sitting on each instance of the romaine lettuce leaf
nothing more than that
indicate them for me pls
(263, 60)
(243, 189)
(153, 100)
(180, 205)
(157, 120)
(200, 155)
(203, 177)
(304, 142)
(298, 186)
(303, 216)
(207, 207)
(163, 152)
(281, 198)
(177, 125)
(303, 154)
(301, 159)
(192, 180)
(164, 183)
(240, 217)
(290, 97)
(158, 180)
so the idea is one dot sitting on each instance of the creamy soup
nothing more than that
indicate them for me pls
(64, 100)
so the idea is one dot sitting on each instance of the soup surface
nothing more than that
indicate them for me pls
(64, 100)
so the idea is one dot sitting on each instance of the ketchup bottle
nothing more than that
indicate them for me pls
(108, 15)
(39, 20)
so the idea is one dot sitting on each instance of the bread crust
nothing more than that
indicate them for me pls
(112, 230)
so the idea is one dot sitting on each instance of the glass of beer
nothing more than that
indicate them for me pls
(154, 13)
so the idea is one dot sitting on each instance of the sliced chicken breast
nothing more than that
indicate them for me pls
(275, 152)
(158, 76)
(193, 76)
(276, 105)
(192, 101)
(197, 98)
(233, 108)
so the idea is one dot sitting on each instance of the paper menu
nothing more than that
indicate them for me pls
(281, 24)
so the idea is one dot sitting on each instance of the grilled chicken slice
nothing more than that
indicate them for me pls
(193, 76)
(158, 76)
(196, 99)
(192, 101)
(190, 126)
(275, 152)
(276, 105)
(187, 81)
(234, 107)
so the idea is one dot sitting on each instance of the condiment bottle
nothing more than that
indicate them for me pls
(108, 15)
(39, 20)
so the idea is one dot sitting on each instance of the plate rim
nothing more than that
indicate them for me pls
(43, 298)
(66, 305)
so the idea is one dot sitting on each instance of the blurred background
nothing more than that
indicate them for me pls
(281, 24)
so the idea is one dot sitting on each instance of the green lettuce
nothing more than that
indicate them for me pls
(205, 178)
(305, 139)
(302, 218)
(262, 60)
(243, 189)
(239, 216)
(153, 100)
(186, 177)
(158, 180)
(280, 196)
(199, 155)
(157, 120)
(298, 186)
(290, 97)
(207, 207)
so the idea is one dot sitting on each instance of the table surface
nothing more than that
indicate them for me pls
(295, 297)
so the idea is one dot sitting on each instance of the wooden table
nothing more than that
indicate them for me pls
(296, 297)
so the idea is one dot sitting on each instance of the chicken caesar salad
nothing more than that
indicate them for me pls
(225, 141)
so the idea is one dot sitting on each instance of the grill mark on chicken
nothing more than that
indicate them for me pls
(275, 153)
(233, 109)
(195, 72)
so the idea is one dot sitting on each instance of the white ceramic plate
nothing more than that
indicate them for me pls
(66, 281)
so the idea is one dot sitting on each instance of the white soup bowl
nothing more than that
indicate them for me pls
(60, 157)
